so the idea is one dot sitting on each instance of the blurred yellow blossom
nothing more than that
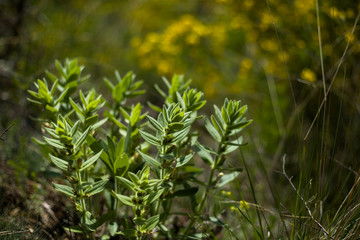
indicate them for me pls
(304, 6)
(135, 42)
(266, 20)
(308, 75)
(239, 21)
(248, 4)
(246, 64)
(269, 45)
(336, 13)
(225, 193)
(243, 205)
(349, 37)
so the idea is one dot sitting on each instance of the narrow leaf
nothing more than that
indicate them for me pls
(55, 143)
(184, 160)
(82, 138)
(90, 161)
(154, 196)
(97, 187)
(204, 155)
(151, 223)
(226, 178)
(151, 161)
(155, 123)
(150, 138)
(124, 199)
(211, 129)
(64, 189)
(62, 164)
(126, 183)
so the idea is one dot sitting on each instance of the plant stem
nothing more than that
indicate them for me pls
(162, 173)
(209, 184)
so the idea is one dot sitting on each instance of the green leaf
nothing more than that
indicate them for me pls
(127, 138)
(34, 101)
(239, 125)
(113, 227)
(176, 126)
(181, 134)
(225, 115)
(96, 147)
(75, 229)
(230, 149)
(114, 120)
(151, 223)
(150, 138)
(211, 129)
(219, 117)
(126, 183)
(161, 92)
(181, 100)
(111, 149)
(55, 143)
(226, 178)
(185, 192)
(154, 107)
(124, 199)
(129, 233)
(51, 76)
(151, 161)
(118, 93)
(135, 114)
(97, 187)
(75, 106)
(124, 113)
(74, 128)
(134, 178)
(51, 109)
(155, 123)
(90, 161)
(144, 173)
(108, 84)
(121, 164)
(93, 105)
(217, 125)
(154, 196)
(98, 124)
(82, 138)
(61, 97)
(82, 98)
(64, 189)
(184, 160)
(60, 68)
(62, 164)
(91, 120)
(139, 221)
(204, 155)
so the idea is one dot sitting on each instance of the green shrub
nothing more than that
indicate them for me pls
(107, 157)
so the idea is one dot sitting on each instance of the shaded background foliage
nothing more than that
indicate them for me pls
(265, 53)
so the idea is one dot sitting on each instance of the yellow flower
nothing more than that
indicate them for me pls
(192, 39)
(135, 42)
(243, 205)
(308, 75)
(335, 13)
(304, 6)
(246, 64)
(349, 37)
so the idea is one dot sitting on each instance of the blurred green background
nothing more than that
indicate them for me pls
(266, 53)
